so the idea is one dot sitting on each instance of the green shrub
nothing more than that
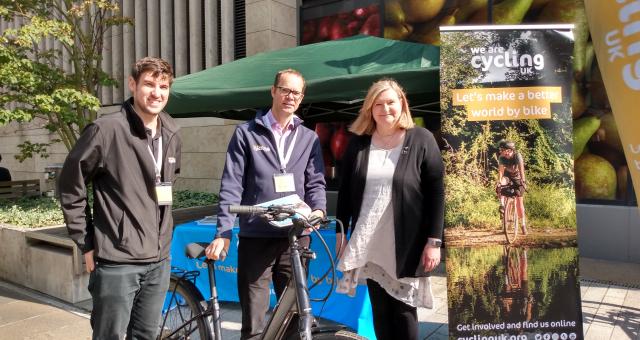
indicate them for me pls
(551, 206)
(187, 198)
(470, 205)
(45, 211)
(31, 212)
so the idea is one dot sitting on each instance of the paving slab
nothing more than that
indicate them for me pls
(610, 312)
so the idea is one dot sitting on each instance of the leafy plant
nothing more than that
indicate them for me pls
(551, 206)
(58, 83)
(45, 211)
(31, 212)
(187, 198)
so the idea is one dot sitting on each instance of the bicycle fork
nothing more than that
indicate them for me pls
(303, 304)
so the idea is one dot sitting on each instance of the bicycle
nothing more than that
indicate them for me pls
(188, 316)
(509, 210)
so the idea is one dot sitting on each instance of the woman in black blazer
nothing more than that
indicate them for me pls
(391, 199)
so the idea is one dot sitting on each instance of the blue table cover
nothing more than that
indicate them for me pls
(354, 312)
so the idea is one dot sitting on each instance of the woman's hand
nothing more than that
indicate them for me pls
(430, 257)
(218, 249)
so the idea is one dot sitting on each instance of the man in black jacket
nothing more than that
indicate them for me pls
(131, 158)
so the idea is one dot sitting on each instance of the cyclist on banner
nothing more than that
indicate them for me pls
(516, 299)
(511, 171)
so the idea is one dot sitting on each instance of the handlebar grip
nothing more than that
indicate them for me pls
(247, 209)
(313, 220)
(195, 250)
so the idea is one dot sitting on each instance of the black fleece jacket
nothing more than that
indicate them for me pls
(112, 153)
(417, 194)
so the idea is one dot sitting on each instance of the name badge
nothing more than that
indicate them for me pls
(284, 182)
(164, 193)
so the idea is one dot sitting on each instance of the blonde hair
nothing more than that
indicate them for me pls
(365, 124)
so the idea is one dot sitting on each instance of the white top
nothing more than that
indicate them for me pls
(370, 252)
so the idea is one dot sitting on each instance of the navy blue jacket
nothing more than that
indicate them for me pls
(247, 179)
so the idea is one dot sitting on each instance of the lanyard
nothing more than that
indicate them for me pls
(157, 163)
(282, 156)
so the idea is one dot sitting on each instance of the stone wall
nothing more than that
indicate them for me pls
(204, 146)
(48, 267)
(271, 25)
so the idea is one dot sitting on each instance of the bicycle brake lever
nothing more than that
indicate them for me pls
(315, 220)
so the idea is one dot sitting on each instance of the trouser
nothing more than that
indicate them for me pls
(259, 261)
(128, 299)
(392, 318)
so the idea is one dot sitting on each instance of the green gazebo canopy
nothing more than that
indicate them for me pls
(338, 74)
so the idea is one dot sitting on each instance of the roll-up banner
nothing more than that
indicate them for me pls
(615, 31)
(510, 222)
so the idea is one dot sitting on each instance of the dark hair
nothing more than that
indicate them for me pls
(157, 67)
(506, 144)
(290, 71)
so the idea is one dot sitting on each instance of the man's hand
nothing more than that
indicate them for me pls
(315, 213)
(218, 249)
(89, 262)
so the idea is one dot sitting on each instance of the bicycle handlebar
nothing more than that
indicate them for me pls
(277, 211)
(252, 209)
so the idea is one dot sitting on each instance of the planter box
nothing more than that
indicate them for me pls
(44, 259)
(194, 213)
(47, 260)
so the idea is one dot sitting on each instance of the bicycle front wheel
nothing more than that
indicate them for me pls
(510, 220)
(178, 314)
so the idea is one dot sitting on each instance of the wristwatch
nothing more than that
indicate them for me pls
(434, 242)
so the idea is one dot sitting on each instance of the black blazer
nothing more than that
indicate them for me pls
(417, 194)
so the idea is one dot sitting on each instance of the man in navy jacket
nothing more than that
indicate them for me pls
(269, 157)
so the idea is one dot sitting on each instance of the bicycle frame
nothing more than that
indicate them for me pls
(507, 201)
(294, 299)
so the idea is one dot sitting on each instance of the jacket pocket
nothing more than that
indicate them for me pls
(136, 242)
